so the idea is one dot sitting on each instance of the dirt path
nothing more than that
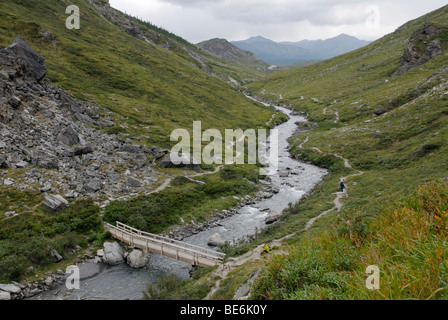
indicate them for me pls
(255, 254)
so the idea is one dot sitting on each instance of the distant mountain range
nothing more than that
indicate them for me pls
(286, 53)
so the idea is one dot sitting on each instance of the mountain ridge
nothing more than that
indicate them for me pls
(286, 53)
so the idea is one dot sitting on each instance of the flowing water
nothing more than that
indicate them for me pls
(99, 281)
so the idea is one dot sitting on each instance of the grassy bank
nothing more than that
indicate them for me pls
(408, 243)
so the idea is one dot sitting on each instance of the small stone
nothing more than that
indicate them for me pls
(47, 187)
(22, 164)
(48, 281)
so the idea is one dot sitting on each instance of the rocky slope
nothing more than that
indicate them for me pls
(53, 138)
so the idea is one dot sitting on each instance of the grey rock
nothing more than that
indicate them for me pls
(273, 217)
(10, 288)
(68, 136)
(94, 185)
(379, 111)
(132, 182)
(187, 162)
(113, 253)
(4, 296)
(132, 148)
(242, 292)
(15, 102)
(48, 281)
(215, 240)
(79, 151)
(34, 63)
(22, 164)
(55, 203)
(85, 119)
(138, 259)
(3, 162)
(46, 188)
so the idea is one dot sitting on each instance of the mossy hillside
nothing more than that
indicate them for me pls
(150, 90)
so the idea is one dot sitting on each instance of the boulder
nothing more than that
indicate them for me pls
(273, 217)
(34, 63)
(138, 259)
(379, 111)
(56, 256)
(113, 253)
(186, 162)
(68, 136)
(55, 203)
(3, 162)
(85, 119)
(94, 185)
(21, 164)
(10, 288)
(215, 240)
(79, 151)
(132, 182)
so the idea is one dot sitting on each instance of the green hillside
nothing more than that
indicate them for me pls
(152, 90)
(393, 128)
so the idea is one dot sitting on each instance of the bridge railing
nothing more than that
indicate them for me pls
(167, 242)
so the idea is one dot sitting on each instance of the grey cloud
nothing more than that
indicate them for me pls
(317, 12)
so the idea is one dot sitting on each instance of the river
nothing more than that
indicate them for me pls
(101, 282)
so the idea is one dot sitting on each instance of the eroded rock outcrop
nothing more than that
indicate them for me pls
(424, 45)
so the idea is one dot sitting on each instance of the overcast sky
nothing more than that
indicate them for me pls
(279, 20)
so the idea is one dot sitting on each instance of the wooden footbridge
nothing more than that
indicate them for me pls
(178, 250)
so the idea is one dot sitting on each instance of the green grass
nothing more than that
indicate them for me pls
(27, 240)
(408, 244)
(172, 288)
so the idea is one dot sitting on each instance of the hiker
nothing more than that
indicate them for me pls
(342, 186)
(266, 249)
